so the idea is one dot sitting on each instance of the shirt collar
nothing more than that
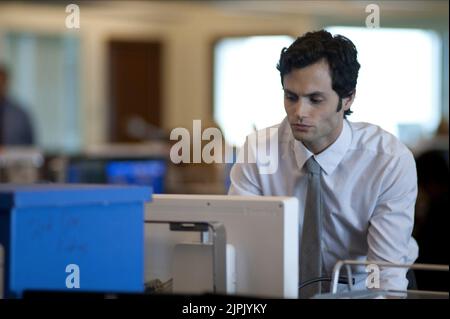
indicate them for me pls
(331, 157)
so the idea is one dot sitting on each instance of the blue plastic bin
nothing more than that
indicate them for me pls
(98, 228)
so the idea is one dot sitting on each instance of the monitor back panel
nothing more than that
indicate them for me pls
(263, 230)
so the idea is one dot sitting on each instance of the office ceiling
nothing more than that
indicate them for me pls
(175, 10)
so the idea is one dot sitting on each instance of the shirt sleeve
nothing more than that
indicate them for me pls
(244, 177)
(390, 227)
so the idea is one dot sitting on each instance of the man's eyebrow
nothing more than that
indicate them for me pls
(315, 93)
(289, 91)
(307, 94)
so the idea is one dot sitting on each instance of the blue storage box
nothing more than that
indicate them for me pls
(53, 232)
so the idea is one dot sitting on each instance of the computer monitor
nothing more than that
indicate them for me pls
(264, 232)
(138, 172)
(130, 171)
(85, 171)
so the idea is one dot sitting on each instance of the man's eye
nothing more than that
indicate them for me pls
(316, 101)
(291, 98)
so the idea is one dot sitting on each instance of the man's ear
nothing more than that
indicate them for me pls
(348, 101)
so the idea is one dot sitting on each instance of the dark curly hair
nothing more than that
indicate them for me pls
(339, 52)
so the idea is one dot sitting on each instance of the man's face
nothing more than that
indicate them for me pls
(311, 106)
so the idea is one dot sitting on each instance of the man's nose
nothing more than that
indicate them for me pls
(299, 109)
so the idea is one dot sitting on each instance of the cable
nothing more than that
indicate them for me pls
(342, 280)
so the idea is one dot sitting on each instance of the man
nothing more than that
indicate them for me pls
(356, 183)
(15, 125)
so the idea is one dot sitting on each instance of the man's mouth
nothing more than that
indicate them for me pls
(301, 127)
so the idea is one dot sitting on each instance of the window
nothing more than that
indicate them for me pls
(398, 84)
(399, 81)
(247, 87)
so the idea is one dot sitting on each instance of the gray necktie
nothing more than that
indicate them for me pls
(310, 246)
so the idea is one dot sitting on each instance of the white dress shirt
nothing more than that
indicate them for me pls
(369, 189)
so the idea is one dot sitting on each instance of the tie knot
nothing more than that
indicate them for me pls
(312, 166)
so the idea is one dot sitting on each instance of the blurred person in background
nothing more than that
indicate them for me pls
(430, 229)
(16, 128)
(439, 141)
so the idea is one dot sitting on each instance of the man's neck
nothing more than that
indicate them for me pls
(321, 147)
